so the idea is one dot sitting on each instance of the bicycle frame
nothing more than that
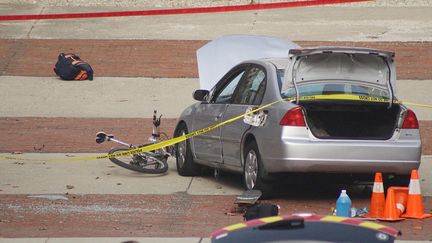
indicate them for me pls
(120, 142)
(152, 162)
(154, 138)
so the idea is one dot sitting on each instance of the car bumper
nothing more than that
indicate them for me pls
(344, 156)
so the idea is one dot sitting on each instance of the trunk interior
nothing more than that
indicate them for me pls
(351, 120)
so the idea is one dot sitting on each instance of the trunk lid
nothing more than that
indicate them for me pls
(340, 70)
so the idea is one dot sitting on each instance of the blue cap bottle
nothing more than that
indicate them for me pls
(343, 205)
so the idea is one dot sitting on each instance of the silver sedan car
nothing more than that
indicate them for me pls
(318, 127)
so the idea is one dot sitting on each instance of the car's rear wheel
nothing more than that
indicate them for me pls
(253, 170)
(184, 159)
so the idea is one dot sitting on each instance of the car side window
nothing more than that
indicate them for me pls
(225, 94)
(251, 89)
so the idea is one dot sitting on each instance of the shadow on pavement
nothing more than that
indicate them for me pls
(303, 186)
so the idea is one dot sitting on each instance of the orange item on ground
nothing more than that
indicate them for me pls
(415, 208)
(395, 203)
(378, 199)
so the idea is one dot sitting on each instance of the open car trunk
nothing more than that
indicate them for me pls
(351, 120)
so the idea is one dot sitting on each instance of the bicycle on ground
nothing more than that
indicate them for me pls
(152, 162)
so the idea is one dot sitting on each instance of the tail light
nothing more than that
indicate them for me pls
(410, 121)
(293, 117)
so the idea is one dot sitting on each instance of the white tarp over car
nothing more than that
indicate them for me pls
(217, 57)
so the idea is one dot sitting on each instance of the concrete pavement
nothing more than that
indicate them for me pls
(51, 175)
(102, 97)
(306, 23)
(200, 3)
(101, 177)
(132, 97)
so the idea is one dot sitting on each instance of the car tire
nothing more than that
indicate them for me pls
(253, 170)
(184, 159)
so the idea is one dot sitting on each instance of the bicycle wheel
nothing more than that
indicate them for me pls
(146, 162)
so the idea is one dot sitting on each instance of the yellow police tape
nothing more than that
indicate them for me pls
(356, 98)
(182, 138)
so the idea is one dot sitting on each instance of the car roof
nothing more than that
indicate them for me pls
(280, 63)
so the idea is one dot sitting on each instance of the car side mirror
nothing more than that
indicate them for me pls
(201, 94)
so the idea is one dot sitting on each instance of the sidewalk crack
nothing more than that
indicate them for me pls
(12, 57)
(34, 23)
(255, 18)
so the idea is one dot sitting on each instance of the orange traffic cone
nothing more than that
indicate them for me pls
(415, 208)
(378, 199)
(395, 203)
(401, 195)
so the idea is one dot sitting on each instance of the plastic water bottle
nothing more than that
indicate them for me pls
(343, 205)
